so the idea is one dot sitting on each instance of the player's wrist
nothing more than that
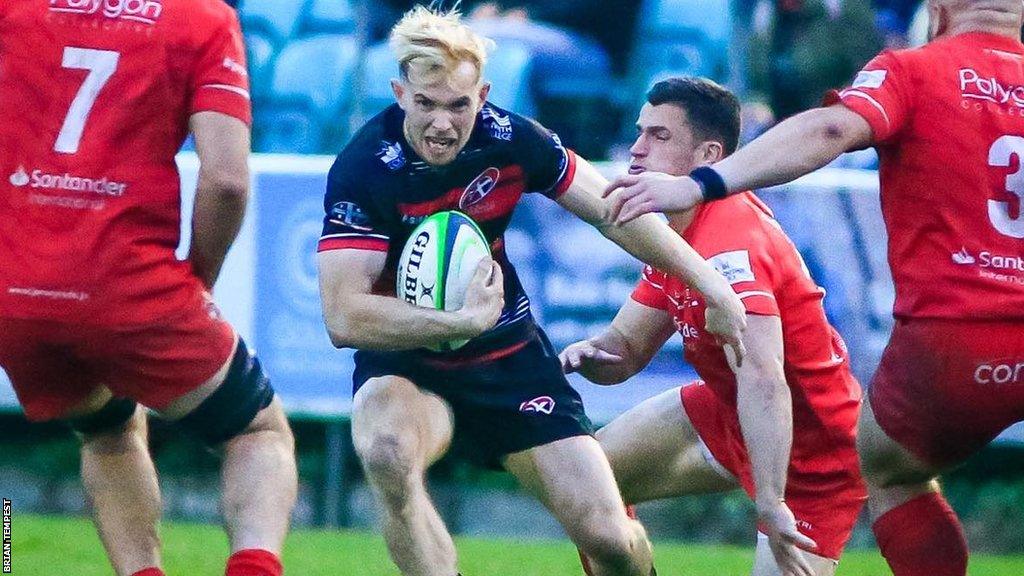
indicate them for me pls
(768, 503)
(712, 185)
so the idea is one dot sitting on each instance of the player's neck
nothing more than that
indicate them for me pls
(680, 221)
(989, 23)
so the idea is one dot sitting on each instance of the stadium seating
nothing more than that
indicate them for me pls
(284, 126)
(311, 83)
(277, 19)
(259, 54)
(680, 37)
(329, 17)
(378, 68)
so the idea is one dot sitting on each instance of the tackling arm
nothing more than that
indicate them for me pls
(624, 348)
(649, 239)
(765, 407)
(795, 147)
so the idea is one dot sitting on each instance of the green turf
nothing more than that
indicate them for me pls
(69, 547)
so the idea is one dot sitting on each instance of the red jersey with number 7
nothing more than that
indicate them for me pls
(95, 101)
(948, 123)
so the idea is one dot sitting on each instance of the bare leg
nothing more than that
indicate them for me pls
(259, 482)
(573, 479)
(656, 453)
(398, 431)
(917, 531)
(893, 475)
(121, 483)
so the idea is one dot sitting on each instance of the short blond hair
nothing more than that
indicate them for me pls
(429, 41)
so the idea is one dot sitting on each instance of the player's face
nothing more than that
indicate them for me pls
(665, 142)
(440, 111)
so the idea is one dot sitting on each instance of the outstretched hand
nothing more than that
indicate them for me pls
(633, 195)
(785, 541)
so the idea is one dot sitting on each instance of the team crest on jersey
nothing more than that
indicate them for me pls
(498, 125)
(734, 265)
(145, 11)
(351, 215)
(480, 186)
(391, 154)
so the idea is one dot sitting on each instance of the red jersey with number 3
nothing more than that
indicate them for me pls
(948, 123)
(741, 239)
(95, 101)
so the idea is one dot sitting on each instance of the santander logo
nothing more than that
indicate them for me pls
(19, 178)
(145, 11)
(973, 86)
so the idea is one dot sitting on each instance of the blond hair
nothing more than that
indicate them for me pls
(428, 41)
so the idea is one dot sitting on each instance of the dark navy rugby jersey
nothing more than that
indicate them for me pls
(379, 189)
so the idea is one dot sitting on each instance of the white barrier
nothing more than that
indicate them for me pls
(576, 279)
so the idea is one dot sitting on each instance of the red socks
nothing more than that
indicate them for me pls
(922, 537)
(254, 562)
(149, 572)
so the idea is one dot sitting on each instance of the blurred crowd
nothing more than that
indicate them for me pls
(590, 61)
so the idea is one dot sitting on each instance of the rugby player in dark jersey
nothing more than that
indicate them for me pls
(502, 399)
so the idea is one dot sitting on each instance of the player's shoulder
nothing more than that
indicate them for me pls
(505, 126)
(739, 219)
(198, 20)
(212, 14)
(374, 151)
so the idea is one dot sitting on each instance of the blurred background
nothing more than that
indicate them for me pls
(320, 68)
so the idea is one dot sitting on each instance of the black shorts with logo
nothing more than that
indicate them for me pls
(515, 402)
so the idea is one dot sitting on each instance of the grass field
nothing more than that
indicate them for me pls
(69, 547)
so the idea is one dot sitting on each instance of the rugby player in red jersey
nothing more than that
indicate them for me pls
(947, 122)
(781, 426)
(502, 399)
(97, 316)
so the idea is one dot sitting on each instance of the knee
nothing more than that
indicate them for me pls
(612, 542)
(387, 456)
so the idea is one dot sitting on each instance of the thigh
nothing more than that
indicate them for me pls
(943, 390)
(49, 377)
(572, 478)
(655, 452)
(508, 405)
(171, 366)
(393, 410)
(764, 561)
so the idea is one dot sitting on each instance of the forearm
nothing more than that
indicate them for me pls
(795, 147)
(613, 342)
(651, 241)
(766, 420)
(216, 219)
(372, 322)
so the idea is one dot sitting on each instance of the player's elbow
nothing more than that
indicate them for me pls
(341, 329)
(839, 130)
(228, 186)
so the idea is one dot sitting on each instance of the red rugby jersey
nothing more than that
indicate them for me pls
(742, 240)
(95, 100)
(948, 123)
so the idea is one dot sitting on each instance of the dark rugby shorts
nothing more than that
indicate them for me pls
(506, 401)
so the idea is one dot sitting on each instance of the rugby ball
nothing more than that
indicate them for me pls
(438, 262)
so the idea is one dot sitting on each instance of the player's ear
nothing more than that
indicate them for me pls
(710, 152)
(399, 91)
(485, 89)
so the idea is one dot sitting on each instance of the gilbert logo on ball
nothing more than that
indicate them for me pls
(438, 263)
